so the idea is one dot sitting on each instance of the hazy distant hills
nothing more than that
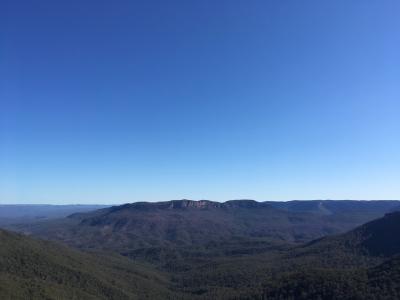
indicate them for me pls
(335, 207)
(11, 214)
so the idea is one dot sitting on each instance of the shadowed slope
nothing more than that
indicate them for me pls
(376, 238)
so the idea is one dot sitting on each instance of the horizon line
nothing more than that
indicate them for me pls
(183, 199)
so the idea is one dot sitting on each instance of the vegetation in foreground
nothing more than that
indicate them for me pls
(363, 263)
(34, 269)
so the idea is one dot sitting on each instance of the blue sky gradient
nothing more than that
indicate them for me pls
(122, 101)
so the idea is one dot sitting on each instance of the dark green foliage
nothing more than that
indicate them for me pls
(202, 250)
(32, 269)
(341, 267)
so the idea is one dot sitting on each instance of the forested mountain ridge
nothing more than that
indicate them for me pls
(186, 223)
(378, 238)
(339, 267)
(360, 264)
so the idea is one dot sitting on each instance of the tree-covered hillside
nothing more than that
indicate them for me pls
(183, 258)
(33, 269)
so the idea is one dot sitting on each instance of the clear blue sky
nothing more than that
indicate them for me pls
(122, 101)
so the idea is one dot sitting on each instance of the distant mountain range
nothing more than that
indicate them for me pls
(192, 223)
(21, 213)
(185, 249)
